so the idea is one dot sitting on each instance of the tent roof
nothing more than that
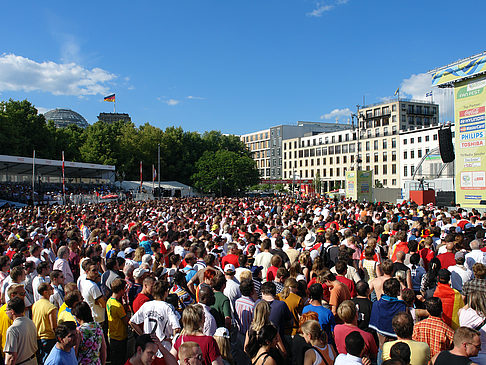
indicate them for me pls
(16, 165)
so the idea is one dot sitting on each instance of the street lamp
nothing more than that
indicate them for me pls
(356, 116)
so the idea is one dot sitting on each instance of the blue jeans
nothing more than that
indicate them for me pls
(45, 347)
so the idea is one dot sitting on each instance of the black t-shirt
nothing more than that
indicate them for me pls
(363, 305)
(397, 266)
(298, 349)
(446, 358)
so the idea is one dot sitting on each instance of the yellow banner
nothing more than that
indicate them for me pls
(470, 136)
(460, 71)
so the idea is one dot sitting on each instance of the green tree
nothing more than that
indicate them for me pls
(23, 130)
(317, 183)
(224, 173)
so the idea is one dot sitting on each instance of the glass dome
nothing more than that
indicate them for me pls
(65, 117)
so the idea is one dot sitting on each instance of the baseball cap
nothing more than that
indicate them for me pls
(128, 251)
(229, 268)
(459, 255)
(138, 273)
(222, 331)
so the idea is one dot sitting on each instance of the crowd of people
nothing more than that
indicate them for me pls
(239, 281)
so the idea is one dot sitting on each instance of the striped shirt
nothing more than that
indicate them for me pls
(244, 313)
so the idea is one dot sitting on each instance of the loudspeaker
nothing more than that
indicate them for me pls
(445, 145)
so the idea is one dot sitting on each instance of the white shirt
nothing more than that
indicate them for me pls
(264, 259)
(347, 359)
(90, 292)
(35, 284)
(157, 317)
(209, 321)
(232, 291)
(459, 276)
(475, 256)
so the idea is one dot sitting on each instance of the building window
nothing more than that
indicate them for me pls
(420, 153)
(405, 155)
(394, 169)
(412, 170)
(367, 158)
(367, 145)
(375, 145)
(394, 155)
(427, 138)
(394, 107)
(385, 158)
(385, 182)
(376, 169)
(435, 137)
(385, 169)
(404, 141)
(412, 154)
(394, 143)
(419, 139)
(385, 144)
(345, 159)
(375, 157)
(405, 170)
(411, 140)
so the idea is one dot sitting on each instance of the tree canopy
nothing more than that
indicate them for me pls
(188, 157)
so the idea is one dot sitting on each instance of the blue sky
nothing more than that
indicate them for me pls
(234, 66)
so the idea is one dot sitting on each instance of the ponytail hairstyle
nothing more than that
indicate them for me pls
(261, 316)
(289, 283)
(257, 339)
(313, 328)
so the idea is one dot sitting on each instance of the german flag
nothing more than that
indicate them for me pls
(110, 98)
(451, 303)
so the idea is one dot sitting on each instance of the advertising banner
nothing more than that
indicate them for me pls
(351, 184)
(457, 72)
(364, 185)
(470, 148)
(358, 185)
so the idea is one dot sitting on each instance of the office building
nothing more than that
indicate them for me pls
(114, 117)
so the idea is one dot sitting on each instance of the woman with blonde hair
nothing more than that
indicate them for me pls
(222, 337)
(293, 301)
(192, 324)
(305, 262)
(139, 252)
(473, 315)
(321, 352)
(261, 317)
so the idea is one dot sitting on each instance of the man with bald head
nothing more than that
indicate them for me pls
(476, 255)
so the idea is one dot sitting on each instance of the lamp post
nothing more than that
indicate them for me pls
(158, 168)
(356, 116)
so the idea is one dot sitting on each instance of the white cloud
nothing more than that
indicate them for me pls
(18, 73)
(417, 86)
(172, 102)
(42, 110)
(320, 9)
(191, 97)
(344, 113)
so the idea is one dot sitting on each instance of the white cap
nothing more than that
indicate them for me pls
(229, 268)
(138, 273)
(222, 331)
(128, 251)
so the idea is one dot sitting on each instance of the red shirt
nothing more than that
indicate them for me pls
(342, 330)
(139, 300)
(208, 345)
(230, 259)
(427, 254)
(272, 273)
(327, 294)
(447, 259)
(348, 283)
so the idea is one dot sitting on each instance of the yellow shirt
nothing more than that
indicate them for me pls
(419, 351)
(66, 316)
(5, 323)
(62, 308)
(40, 315)
(117, 329)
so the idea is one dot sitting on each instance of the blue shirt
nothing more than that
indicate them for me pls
(326, 318)
(146, 246)
(60, 357)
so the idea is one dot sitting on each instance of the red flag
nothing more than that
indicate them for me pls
(154, 173)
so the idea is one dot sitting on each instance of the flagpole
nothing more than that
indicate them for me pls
(63, 181)
(114, 106)
(158, 167)
(153, 177)
(141, 181)
(33, 179)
